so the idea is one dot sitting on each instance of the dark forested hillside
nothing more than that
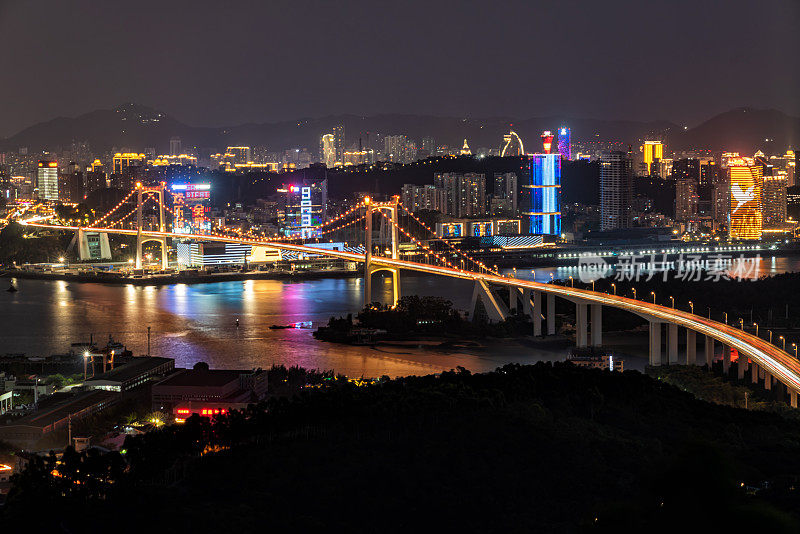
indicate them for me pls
(544, 448)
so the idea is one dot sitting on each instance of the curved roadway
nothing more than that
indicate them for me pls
(777, 362)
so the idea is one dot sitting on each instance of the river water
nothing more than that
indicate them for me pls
(197, 322)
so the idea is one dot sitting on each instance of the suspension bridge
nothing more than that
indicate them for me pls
(762, 360)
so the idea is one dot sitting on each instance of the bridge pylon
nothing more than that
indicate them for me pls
(369, 268)
(140, 240)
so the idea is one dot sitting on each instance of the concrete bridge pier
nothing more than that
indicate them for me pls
(741, 365)
(597, 325)
(551, 314)
(655, 343)
(709, 352)
(495, 309)
(754, 373)
(513, 295)
(672, 340)
(792, 398)
(537, 313)
(726, 359)
(691, 347)
(767, 381)
(580, 324)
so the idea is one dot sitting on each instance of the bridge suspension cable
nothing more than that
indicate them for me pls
(115, 208)
(481, 266)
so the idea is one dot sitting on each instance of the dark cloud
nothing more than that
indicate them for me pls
(211, 63)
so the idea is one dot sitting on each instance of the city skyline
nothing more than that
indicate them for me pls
(273, 72)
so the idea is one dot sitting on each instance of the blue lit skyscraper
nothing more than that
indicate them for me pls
(564, 143)
(544, 194)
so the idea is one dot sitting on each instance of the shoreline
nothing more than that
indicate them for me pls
(169, 279)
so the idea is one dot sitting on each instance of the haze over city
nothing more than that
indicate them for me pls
(443, 266)
(682, 61)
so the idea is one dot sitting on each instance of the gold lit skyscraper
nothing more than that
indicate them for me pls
(653, 153)
(746, 182)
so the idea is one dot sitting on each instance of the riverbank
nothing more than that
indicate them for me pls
(177, 278)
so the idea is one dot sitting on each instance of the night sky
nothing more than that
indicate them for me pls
(208, 62)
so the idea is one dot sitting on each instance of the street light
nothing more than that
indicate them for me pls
(756, 325)
(741, 323)
(634, 292)
(592, 285)
(691, 306)
(726, 317)
(614, 288)
(571, 282)
(784, 342)
(770, 335)
(534, 275)
(795, 349)
(672, 300)
(654, 296)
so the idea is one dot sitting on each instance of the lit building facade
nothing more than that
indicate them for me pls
(423, 197)
(239, 155)
(464, 194)
(745, 194)
(506, 191)
(127, 159)
(191, 208)
(773, 201)
(206, 253)
(338, 141)
(652, 154)
(306, 207)
(543, 197)
(565, 143)
(327, 150)
(616, 190)
(47, 179)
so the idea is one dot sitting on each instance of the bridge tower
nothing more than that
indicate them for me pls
(140, 240)
(369, 268)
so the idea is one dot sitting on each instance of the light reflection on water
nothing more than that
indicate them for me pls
(197, 322)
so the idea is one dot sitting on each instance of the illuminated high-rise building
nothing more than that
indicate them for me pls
(773, 199)
(338, 142)
(123, 160)
(542, 197)
(47, 179)
(506, 188)
(175, 146)
(395, 148)
(512, 145)
(745, 193)
(306, 207)
(463, 195)
(327, 150)
(616, 190)
(547, 141)
(428, 146)
(652, 154)
(565, 143)
(239, 155)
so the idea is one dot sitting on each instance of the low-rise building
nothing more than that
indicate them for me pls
(131, 375)
(27, 431)
(201, 389)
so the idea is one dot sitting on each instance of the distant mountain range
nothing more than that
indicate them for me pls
(137, 127)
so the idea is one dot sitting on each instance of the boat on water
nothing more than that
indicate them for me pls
(301, 324)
